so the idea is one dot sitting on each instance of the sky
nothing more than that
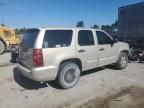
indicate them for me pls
(59, 13)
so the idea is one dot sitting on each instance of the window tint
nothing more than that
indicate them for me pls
(57, 38)
(103, 38)
(29, 38)
(85, 37)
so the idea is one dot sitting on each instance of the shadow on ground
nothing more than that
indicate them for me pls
(31, 85)
(8, 50)
(92, 71)
(25, 82)
(112, 67)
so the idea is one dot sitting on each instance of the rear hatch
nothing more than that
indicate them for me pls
(26, 48)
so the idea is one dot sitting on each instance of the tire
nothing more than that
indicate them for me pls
(2, 47)
(122, 61)
(69, 75)
(14, 56)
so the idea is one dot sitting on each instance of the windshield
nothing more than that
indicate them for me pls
(29, 38)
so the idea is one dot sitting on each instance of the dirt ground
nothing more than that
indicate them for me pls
(103, 87)
(130, 97)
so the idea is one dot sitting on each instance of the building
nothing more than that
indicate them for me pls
(131, 24)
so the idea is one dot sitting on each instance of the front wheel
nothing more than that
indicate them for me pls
(122, 61)
(69, 74)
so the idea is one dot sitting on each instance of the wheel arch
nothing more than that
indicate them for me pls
(122, 50)
(125, 51)
(74, 60)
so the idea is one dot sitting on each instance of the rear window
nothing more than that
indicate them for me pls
(29, 38)
(57, 38)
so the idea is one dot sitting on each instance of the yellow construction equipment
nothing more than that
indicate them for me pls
(8, 38)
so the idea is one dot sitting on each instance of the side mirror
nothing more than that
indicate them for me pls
(115, 40)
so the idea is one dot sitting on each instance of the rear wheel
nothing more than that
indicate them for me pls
(1, 47)
(69, 74)
(122, 61)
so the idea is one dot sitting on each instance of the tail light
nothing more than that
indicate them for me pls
(37, 58)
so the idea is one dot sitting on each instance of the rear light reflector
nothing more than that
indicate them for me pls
(37, 58)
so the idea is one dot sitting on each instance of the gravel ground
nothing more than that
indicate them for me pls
(4, 58)
(130, 97)
(95, 87)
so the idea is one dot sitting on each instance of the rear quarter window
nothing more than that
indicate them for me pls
(29, 38)
(57, 38)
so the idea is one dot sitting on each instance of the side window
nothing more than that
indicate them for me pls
(7, 33)
(103, 38)
(57, 38)
(85, 37)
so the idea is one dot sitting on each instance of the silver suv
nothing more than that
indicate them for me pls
(63, 53)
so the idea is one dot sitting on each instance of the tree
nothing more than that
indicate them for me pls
(3, 25)
(80, 24)
(20, 31)
(115, 24)
(95, 26)
(106, 27)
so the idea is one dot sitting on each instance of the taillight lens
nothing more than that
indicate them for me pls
(37, 58)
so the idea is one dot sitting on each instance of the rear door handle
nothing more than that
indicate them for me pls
(81, 50)
(101, 49)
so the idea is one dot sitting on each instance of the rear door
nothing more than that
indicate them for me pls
(86, 49)
(26, 48)
(106, 50)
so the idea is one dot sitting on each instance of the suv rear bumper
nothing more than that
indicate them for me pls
(39, 74)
